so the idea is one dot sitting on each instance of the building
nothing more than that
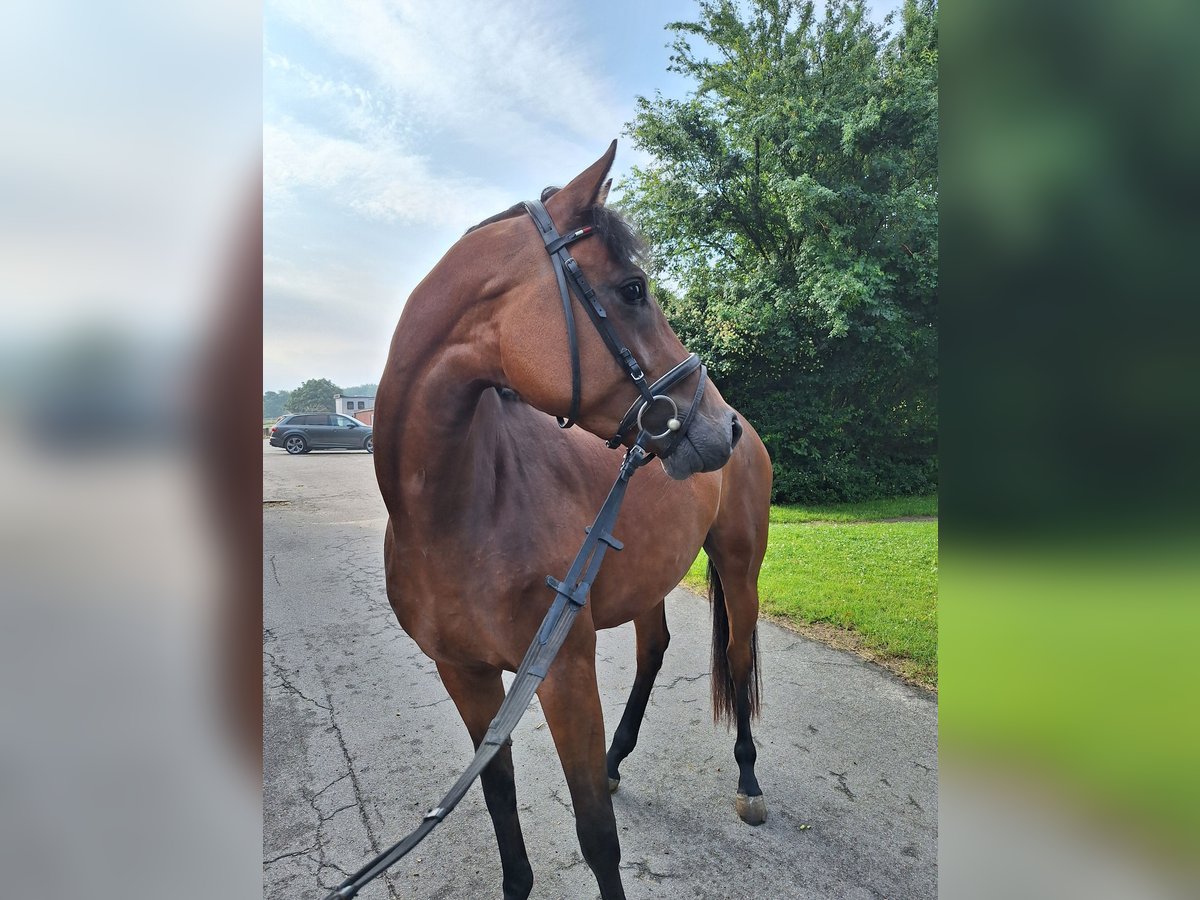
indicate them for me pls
(366, 416)
(349, 406)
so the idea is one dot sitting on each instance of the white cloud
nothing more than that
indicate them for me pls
(324, 319)
(373, 177)
(507, 78)
(389, 127)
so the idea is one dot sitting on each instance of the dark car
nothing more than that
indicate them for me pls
(302, 432)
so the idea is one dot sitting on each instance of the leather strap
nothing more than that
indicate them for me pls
(567, 272)
(668, 381)
(551, 239)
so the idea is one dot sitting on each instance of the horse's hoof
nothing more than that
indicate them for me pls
(751, 810)
(613, 784)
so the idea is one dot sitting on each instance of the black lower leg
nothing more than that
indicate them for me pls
(744, 750)
(500, 793)
(597, 831)
(626, 735)
(653, 639)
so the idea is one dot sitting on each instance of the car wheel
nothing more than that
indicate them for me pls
(295, 445)
(369, 446)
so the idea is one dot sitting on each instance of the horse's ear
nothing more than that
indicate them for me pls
(603, 198)
(584, 191)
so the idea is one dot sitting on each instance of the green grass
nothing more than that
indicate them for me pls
(831, 565)
(1080, 663)
(887, 508)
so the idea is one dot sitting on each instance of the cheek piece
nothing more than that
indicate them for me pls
(572, 280)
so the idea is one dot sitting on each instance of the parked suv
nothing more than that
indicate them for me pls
(320, 431)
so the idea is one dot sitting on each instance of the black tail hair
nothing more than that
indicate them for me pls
(724, 696)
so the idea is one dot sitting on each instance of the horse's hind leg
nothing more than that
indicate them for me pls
(652, 641)
(571, 703)
(478, 693)
(735, 677)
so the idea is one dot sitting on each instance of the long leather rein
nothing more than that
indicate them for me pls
(571, 593)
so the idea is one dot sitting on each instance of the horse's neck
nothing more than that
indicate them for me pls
(436, 380)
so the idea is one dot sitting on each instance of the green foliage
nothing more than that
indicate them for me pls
(275, 404)
(793, 199)
(315, 395)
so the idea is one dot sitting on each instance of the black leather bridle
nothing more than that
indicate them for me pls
(570, 594)
(568, 273)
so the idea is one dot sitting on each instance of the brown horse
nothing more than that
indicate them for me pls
(486, 496)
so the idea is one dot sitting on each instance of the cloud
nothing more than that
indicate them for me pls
(370, 176)
(324, 319)
(514, 79)
(389, 127)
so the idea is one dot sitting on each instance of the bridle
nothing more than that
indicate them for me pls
(570, 594)
(568, 273)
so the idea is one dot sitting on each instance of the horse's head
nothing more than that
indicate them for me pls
(694, 429)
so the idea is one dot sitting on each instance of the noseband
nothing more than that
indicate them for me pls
(567, 272)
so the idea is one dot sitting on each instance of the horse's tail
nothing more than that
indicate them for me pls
(724, 695)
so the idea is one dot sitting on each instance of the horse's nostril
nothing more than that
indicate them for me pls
(737, 432)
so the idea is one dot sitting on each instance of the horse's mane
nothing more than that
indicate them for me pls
(619, 237)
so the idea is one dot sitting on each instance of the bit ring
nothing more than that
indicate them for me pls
(672, 420)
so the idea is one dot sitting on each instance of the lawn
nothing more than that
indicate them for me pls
(1079, 664)
(837, 566)
(887, 508)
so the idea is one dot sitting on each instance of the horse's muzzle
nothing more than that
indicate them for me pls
(706, 447)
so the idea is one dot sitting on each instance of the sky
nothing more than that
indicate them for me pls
(391, 126)
(120, 194)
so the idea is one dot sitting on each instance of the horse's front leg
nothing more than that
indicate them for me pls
(652, 641)
(571, 702)
(478, 694)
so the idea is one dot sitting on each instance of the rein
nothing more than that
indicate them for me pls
(571, 593)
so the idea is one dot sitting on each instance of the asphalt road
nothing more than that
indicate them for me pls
(360, 740)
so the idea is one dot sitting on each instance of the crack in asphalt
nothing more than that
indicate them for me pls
(285, 681)
(690, 679)
(644, 871)
(357, 788)
(577, 861)
(427, 705)
(792, 646)
(331, 784)
(288, 855)
(565, 805)
(841, 785)
(287, 684)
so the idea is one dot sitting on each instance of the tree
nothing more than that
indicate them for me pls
(361, 390)
(275, 403)
(792, 198)
(315, 395)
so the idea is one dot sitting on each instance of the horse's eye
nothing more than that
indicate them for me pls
(633, 292)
